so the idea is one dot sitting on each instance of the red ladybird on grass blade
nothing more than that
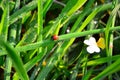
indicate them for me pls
(55, 37)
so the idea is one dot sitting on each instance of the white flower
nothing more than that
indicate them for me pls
(92, 45)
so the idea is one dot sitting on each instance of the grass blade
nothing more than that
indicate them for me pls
(109, 70)
(15, 59)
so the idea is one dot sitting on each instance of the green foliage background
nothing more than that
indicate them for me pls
(29, 52)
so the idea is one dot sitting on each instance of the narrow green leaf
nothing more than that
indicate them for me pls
(77, 5)
(48, 4)
(4, 22)
(15, 59)
(29, 37)
(33, 61)
(109, 70)
(32, 5)
(109, 24)
(62, 37)
(34, 45)
(102, 60)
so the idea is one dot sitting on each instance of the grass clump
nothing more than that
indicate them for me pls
(44, 39)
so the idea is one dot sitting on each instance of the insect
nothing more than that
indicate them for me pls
(55, 37)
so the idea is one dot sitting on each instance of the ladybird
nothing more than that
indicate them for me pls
(55, 37)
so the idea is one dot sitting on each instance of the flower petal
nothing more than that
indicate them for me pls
(87, 42)
(90, 50)
(97, 49)
(90, 41)
(101, 43)
(92, 45)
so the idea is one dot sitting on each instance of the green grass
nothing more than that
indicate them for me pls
(28, 51)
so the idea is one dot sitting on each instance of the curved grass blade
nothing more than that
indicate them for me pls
(32, 5)
(15, 59)
(109, 70)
